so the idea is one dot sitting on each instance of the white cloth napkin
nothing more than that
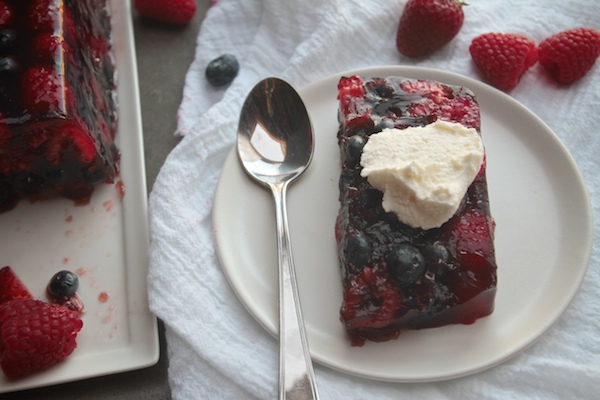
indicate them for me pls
(216, 349)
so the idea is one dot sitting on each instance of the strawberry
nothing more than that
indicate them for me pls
(570, 54)
(11, 287)
(173, 12)
(35, 335)
(472, 233)
(503, 57)
(426, 25)
(70, 142)
(471, 238)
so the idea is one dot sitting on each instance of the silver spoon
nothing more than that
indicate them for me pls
(275, 145)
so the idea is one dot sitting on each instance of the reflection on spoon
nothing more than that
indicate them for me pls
(268, 147)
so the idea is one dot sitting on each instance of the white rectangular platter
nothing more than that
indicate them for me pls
(105, 242)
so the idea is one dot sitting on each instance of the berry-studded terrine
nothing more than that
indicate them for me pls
(58, 115)
(397, 276)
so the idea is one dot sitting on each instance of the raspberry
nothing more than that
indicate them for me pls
(348, 89)
(69, 31)
(173, 12)
(440, 102)
(45, 48)
(428, 89)
(5, 136)
(43, 15)
(11, 287)
(570, 54)
(35, 335)
(426, 25)
(99, 47)
(13, 163)
(7, 14)
(370, 301)
(503, 57)
(41, 90)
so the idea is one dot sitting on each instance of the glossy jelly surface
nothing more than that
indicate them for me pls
(397, 277)
(58, 115)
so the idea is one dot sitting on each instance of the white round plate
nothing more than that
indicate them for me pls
(544, 223)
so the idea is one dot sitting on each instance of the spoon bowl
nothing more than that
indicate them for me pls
(275, 136)
(275, 146)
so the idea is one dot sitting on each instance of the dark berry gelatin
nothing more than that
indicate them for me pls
(57, 99)
(397, 277)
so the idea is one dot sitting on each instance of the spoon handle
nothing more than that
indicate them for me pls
(296, 375)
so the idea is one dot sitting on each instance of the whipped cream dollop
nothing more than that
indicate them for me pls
(423, 172)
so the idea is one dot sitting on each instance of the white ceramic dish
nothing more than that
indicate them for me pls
(536, 193)
(105, 241)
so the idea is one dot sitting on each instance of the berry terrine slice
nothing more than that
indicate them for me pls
(398, 276)
(58, 115)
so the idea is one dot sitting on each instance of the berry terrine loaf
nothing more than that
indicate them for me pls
(58, 116)
(414, 229)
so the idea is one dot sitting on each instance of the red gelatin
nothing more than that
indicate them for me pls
(58, 115)
(397, 277)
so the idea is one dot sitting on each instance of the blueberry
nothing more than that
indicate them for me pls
(8, 65)
(405, 264)
(222, 70)
(354, 147)
(384, 91)
(26, 182)
(92, 175)
(436, 257)
(358, 249)
(383, 124)
(436, 252)
(56, 176)
(63, 285)
(8, 40)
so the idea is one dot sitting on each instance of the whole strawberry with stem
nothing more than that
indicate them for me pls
(503, 58)
(35, 335)
(427, 25)
(570, 54)
(172, 12)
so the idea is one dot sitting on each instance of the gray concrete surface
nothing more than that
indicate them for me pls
(164, 55)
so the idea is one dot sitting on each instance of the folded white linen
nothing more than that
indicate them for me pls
(216, 349)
